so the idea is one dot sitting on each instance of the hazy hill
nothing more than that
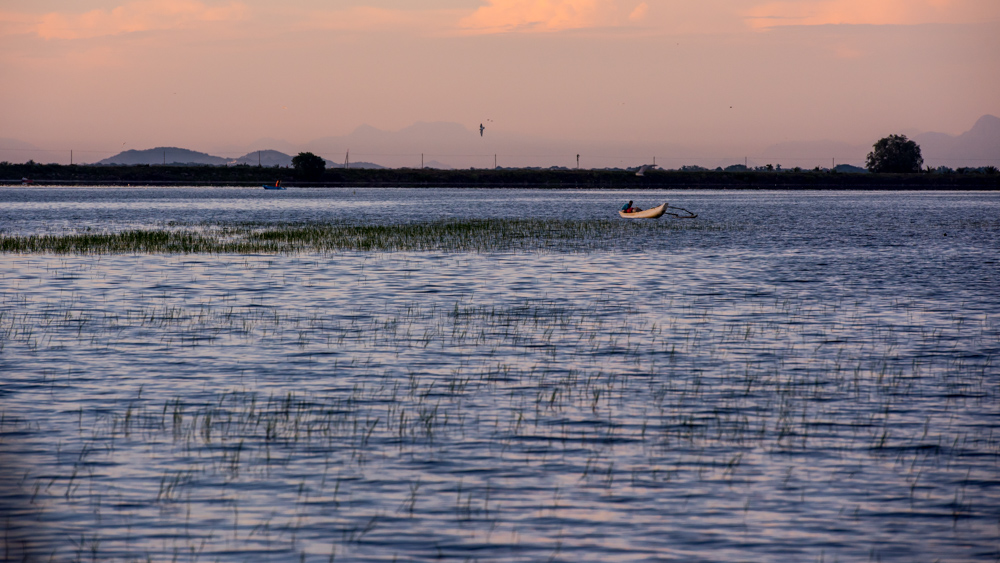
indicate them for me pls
(979, 146)
(436, 165)
(849, 169)
(163, 155)
(446, 145)
(453, 145)
(267, 158)
(15, 144)
(172, 155)
(15, 150)
(361, 164)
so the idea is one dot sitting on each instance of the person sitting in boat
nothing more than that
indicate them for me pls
(629, 208)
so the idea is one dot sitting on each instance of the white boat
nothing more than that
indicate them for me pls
(646, 213)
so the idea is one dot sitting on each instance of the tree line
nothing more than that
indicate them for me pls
(894, 162)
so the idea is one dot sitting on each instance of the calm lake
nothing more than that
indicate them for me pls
(791, 376)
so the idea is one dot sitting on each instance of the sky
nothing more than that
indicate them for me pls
(706, 77)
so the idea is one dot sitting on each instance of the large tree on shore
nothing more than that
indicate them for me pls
(308, 165)
(895, 153)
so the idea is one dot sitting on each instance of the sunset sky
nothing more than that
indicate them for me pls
(714, 75)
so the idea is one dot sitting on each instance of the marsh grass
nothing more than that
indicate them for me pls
(485, 235)
(431, 429)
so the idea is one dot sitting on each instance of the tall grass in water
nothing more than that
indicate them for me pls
(462, 426)
(484, 235)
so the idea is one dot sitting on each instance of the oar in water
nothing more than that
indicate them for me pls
(689, 215)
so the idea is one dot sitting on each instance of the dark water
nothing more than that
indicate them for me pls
(790, 377)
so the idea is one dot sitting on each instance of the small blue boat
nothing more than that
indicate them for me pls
(277, 186)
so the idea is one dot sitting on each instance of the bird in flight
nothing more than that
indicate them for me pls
(481, 129)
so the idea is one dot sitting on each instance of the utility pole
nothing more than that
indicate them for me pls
(421, 161)
(347, 159)
(577, 162)
(494, 161)
(71, 157)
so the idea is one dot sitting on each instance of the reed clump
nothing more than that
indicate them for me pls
(359, 408)
(479, 235)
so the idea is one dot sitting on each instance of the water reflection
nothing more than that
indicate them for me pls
(815, 390)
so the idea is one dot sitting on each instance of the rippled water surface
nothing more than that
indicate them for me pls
(792, 376)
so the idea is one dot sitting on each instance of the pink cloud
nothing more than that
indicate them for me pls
(501, 16)
(639, 13)
(871, 12)
(140, 15)
(368, 18)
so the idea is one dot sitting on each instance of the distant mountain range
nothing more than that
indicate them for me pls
(163, 155)
(456, 146)
(977, 147)
(267, 158)
(445, 145)
(16, 150)
(179, 156)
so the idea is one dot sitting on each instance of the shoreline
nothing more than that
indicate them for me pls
(247, 176)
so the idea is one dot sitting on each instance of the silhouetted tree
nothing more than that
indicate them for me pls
(308, 165)
(894, 153)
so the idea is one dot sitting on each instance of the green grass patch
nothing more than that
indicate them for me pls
(481, 235)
